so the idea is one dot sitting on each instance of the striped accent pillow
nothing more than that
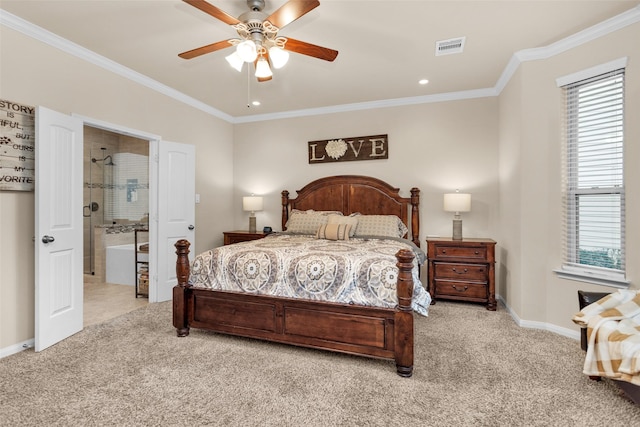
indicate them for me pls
(333, 231)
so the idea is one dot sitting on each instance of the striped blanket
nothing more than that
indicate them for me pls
(613, 329)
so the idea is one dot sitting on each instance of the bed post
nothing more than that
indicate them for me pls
(180, 321)
(285, 209)
(415, 216)
(403, 344)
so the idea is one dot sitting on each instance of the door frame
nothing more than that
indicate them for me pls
(154, 141)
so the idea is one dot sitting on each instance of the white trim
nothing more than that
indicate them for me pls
(589, 276)
(100, 124)
(596, 70)
(532, 324)
(16, 348)
(601, 29)
(426, 99)
(38, 33)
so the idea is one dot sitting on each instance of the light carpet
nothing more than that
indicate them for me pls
(473, 367)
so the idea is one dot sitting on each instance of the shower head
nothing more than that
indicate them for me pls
(108, 161)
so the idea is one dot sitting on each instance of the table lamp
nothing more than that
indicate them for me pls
(457, 202)
(252, 204)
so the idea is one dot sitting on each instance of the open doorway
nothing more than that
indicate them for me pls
(59, 285)
(115, 218)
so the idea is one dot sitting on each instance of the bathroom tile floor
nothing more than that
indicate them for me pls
(104, 301)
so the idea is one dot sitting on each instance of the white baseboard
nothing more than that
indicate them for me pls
(16, 348)
(532, 324)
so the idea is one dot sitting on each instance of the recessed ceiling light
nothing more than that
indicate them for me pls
(423, 81)
(256, 103)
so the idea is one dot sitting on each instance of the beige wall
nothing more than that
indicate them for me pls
(435, 147)
(511, 195)
(530, 167)
(34, 73)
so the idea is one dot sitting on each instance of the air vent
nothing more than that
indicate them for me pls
(448, 47)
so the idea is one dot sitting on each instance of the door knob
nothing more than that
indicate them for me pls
(191, 227)
(47, 239)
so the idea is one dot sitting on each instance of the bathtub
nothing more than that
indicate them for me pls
(121, 264)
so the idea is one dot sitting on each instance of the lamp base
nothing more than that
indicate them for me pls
(252, 224)
(457, 229)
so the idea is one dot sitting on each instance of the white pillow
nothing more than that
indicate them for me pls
(380, 225)
(307, 222)
(340, 219)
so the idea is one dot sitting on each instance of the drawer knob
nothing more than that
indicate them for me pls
(444, 251)
(462, 289)
(477, 252)
(459, 272)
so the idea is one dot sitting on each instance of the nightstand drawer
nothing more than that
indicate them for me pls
(457, 252)
(231, 237)
(461, 289)
(458, 271)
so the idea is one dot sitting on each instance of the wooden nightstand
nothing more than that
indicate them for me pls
(241, 236)
(462, 270)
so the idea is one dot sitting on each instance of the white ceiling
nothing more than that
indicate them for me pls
(385, 46)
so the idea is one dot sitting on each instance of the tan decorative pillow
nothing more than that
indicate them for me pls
(333, 232)
(340, 219)
(307, 222)
(380, 225)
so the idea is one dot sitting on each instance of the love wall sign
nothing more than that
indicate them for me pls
(349, 149)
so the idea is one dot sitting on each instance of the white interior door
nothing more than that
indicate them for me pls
(176, 211)
(58, 227)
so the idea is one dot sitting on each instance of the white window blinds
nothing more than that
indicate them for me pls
(593, 184)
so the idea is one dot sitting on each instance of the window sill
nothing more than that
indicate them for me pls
(593, 278)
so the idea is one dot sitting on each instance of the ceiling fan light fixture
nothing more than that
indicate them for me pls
(247, 51)
(262, 68)
(278, 56)
(235, 61)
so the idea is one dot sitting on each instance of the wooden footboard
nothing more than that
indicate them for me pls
(366, 331)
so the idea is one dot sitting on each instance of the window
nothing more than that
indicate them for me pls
(593, 181)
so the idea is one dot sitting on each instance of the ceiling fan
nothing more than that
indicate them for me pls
(258, 40)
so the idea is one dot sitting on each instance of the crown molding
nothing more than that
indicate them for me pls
(387, 103)
(596, 31)
(608, 26)
(27, 28)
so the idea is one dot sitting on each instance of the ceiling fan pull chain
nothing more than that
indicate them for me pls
(248, 87)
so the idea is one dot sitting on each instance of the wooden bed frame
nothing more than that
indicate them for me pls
(366, 331)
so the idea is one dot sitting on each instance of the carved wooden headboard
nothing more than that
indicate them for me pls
(353, 193)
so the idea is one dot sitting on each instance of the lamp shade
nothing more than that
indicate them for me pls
(278, 56)
(247, 51)
(235, 61)
(252, 203)
(262, 68)
(457, 202)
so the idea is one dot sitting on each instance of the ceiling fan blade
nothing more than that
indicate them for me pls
(309, 49)
(291, 11)
(205, 49)
(213, 11)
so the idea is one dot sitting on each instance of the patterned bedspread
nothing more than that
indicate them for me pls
(613, 329)
(357, 271)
